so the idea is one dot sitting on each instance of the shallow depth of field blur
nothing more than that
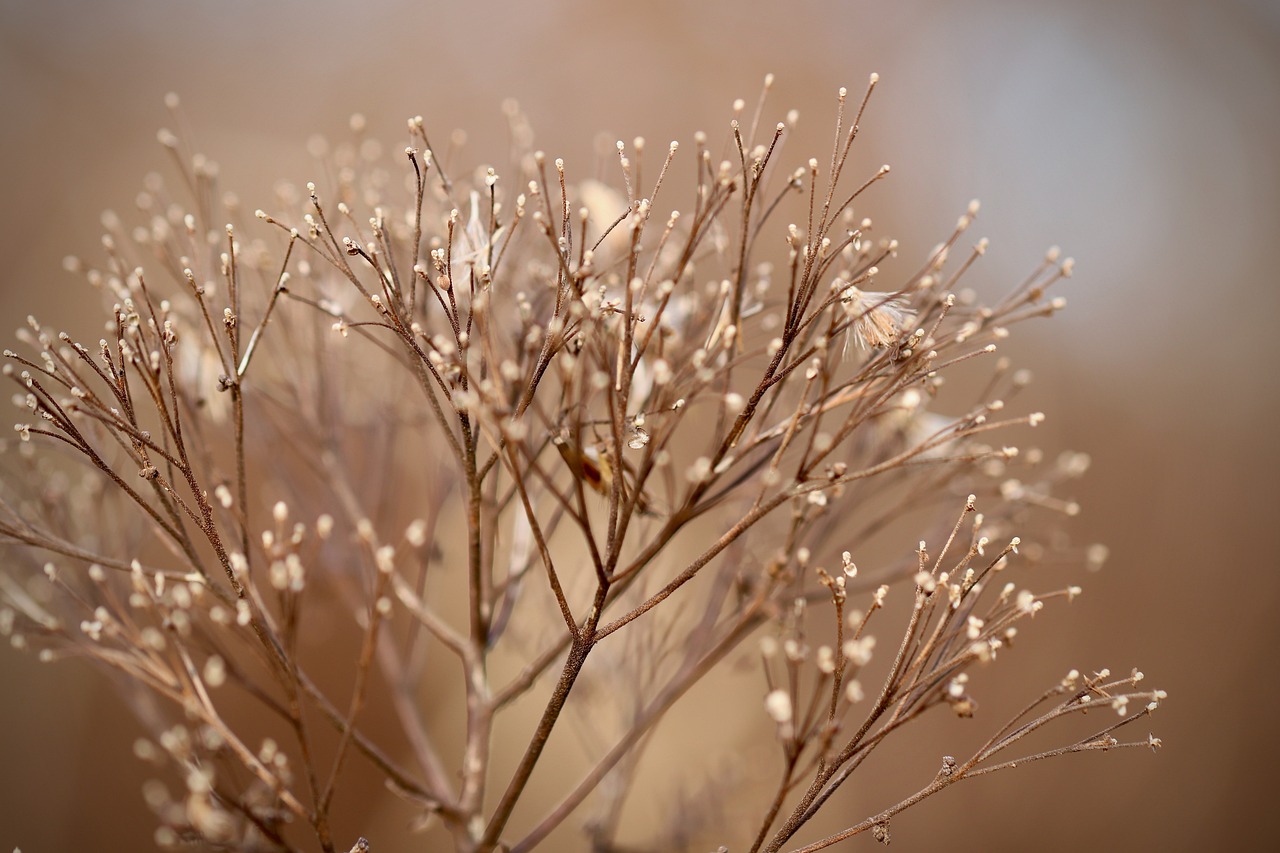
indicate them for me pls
(1141, 137)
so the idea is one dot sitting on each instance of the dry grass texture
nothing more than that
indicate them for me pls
(523, 434)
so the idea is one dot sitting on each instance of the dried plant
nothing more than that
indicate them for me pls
(422, 442)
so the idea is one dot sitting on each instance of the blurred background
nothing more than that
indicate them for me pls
(1140, 136)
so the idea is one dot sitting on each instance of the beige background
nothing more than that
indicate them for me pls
(1141, 136)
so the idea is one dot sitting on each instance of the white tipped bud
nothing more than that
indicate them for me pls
(778, 706)
(416, 533)
(215, 671)
(1096, 555)
(859, 650)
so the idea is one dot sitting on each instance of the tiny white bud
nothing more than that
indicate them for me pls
(416, 533)
(778, 706)
(215, 671)
(385, 559)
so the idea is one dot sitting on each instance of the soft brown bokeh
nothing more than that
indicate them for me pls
(1143, 137)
